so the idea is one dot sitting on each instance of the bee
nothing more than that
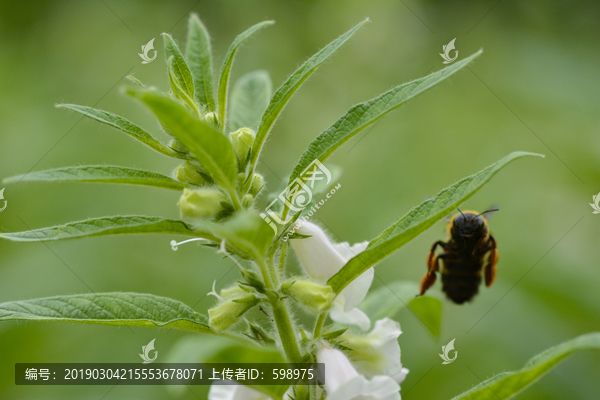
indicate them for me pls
(469, 240)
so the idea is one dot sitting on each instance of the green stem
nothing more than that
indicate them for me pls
(319, 325)
(286, 330)
(282, 254)
(234, 199)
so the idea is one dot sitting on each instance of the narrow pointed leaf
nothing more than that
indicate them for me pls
(210, 147)
(100, 174)
(508, 384)
(182, 73)
(199, 59)
(118, 225)
(120, 309)
(124, 125)
(365, 114)
(289, 87)
(135, 80)
(418, 220)
(178, 91)
(226, 68)
(249, 100)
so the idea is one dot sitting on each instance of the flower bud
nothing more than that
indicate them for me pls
(177, 146)
(189, 173)
(200, 203)
(258, 182)
(247, 201)
(242, 141)
(229, 312)
(316, 297)
(211, 117)
(232, 291)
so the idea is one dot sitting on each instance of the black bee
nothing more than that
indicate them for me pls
(469, 240)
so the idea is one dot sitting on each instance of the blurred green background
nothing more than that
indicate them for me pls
(535, 88)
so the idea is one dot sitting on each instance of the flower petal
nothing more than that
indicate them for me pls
(347, 251)
(317, 254)
(235, 392)
(357, 290)
(399, 378)
(352, 317)
(360, 388)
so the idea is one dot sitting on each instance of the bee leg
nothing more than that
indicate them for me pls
(490, 267)
(433, 266)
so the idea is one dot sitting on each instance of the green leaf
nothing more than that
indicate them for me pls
(508, 384)
(246, 231)
(429, 311)
(418, 220)
(387, 300)
(127, 224)
(365, 114)
(249, 99)
(226, 68)
(253, 354)
(178, 91)
(100, 174)
(120, 309)
(210, 147)
(182, 74)
(124, 125)
(289, 87)
(135, 80)
(199, 59)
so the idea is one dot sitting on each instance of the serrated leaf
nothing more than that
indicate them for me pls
(508, 384)
(182, 73)
(418, 220)
(290, 86)
(210, 147)
(100, 174)
(226, 69)
(125, 126)
(249, 99)
(118, 225)
(199, 59)
(365, 114)
(120, 309)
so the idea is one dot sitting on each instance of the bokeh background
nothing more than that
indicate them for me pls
(535, 88)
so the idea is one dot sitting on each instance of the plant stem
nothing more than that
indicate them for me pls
(234, 199)
(282, 254)
(285, 329)
(319, 325)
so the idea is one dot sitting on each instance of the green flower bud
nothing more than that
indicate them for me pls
(247, 201)
(258, 182)
(200, 203)
(177, 146)
(229, 312)
(242, 141)
(232, 291)
(189, 173)
(211, 117)
(316, 297)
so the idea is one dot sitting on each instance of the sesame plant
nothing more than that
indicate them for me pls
(218, 134)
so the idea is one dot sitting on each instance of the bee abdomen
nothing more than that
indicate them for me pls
(460, 287)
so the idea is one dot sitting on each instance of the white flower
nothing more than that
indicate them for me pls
(377, 353)
(322, 259)
(238, 392)
(343, 382)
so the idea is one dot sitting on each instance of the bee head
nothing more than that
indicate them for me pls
(468, 227)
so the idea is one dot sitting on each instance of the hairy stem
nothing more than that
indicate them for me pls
(319, 325)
